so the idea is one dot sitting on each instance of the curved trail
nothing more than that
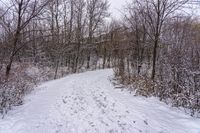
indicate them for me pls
(88, 103)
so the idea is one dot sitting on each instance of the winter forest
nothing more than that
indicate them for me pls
(153, 49)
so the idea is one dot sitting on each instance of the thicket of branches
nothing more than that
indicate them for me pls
(162, 57)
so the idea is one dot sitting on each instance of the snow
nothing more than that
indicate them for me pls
(31, 70)
(89, 103)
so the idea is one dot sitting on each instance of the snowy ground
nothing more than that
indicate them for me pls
(88, 103)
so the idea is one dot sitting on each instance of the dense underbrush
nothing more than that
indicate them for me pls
(183, 93)
(22, 79)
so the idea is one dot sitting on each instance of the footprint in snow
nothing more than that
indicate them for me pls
(145, 121)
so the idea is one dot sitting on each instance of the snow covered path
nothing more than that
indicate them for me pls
(88, 103)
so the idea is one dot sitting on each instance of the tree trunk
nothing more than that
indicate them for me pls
(154, 59)
(57, 66)
(88, 60)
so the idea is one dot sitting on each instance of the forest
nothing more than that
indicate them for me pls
(154, 49)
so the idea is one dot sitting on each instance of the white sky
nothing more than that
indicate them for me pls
(115, 7)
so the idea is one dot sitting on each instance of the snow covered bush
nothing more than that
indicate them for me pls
(14, 89)
(22, 79)
(183, 90)
(177, 68)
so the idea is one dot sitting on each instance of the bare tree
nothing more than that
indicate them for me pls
(80, 25)
(24, 12)
(97, 11)
(155, 13)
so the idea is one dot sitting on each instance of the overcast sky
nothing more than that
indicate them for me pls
(115, 6)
